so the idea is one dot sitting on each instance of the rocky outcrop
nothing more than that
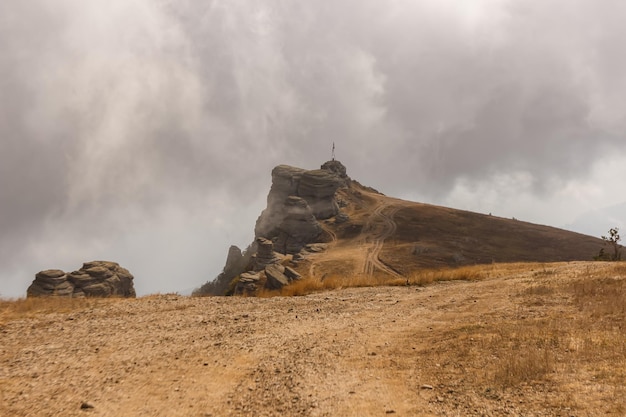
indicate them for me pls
(236, 263)
(318, 188)
(338, 169)
(297, 200)
(94, 279)
(278, 276)
(248, 283)
(298, 227)
(265, 254)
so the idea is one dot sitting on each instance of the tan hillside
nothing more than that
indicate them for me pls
(388, 238)
(517, 339)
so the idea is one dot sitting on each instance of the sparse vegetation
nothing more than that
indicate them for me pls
(504, 339)
(35, 306)
(612, 240)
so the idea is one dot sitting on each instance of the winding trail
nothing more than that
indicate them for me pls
(378, 228)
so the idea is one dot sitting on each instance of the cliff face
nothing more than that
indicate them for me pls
(297, 200)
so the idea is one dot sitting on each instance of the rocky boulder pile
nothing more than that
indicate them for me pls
(94, 279)
(298, 200)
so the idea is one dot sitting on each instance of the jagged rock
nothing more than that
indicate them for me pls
(318, 188)
(233, 257)
(337, 168)
(265, 254)
(236, 263)
(291, 274)
(94, 279)
(297, 201)
(247, 283)
(285, 182)
(276, 278)
(298, 227)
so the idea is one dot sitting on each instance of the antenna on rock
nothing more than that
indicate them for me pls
(333, 151)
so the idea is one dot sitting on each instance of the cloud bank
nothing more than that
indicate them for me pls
(144, 131)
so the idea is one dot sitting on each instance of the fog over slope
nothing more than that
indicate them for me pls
(145, 131)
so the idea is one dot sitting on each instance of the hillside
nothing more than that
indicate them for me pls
(391, 237)
(518, 339)
(322, 223)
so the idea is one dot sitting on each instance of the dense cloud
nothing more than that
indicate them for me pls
(144, 131)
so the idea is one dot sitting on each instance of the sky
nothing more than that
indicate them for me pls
(144, 131)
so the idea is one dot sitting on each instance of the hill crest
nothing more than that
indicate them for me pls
(321, 222)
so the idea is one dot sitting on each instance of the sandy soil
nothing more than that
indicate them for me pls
(362, 352)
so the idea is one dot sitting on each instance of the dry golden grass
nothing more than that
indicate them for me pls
(575, 336)
(32, 307)
(334, 281)
(466, 273)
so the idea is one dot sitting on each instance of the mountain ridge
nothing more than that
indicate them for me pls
(362, 231)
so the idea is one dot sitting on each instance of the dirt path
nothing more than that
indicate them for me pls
(362, 352)
(378, 228)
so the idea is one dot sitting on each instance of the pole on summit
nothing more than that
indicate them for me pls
(333, 151)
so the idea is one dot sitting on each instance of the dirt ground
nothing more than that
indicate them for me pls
(405, 351)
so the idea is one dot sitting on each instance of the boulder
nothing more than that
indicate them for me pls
(247, 283)
(94, 279)
(291, 274)
(276, 278)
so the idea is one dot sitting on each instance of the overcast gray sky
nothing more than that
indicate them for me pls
(145, 131)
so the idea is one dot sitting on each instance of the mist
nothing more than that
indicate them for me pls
(144, 131)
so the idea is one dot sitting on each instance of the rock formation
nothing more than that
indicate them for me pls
(94, 279)
(298, 199)
(265, 254)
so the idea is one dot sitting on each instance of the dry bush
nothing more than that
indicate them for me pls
(466, 273)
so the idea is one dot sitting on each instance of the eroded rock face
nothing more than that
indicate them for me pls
(298, 227)
(94, 279)
(297, 200)
(318, 188)
(265, 254)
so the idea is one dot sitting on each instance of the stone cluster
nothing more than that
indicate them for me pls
(94, 279)
(265, 254)
(297, 201)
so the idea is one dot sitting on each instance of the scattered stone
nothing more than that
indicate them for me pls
(426, 386)
(86, 406)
